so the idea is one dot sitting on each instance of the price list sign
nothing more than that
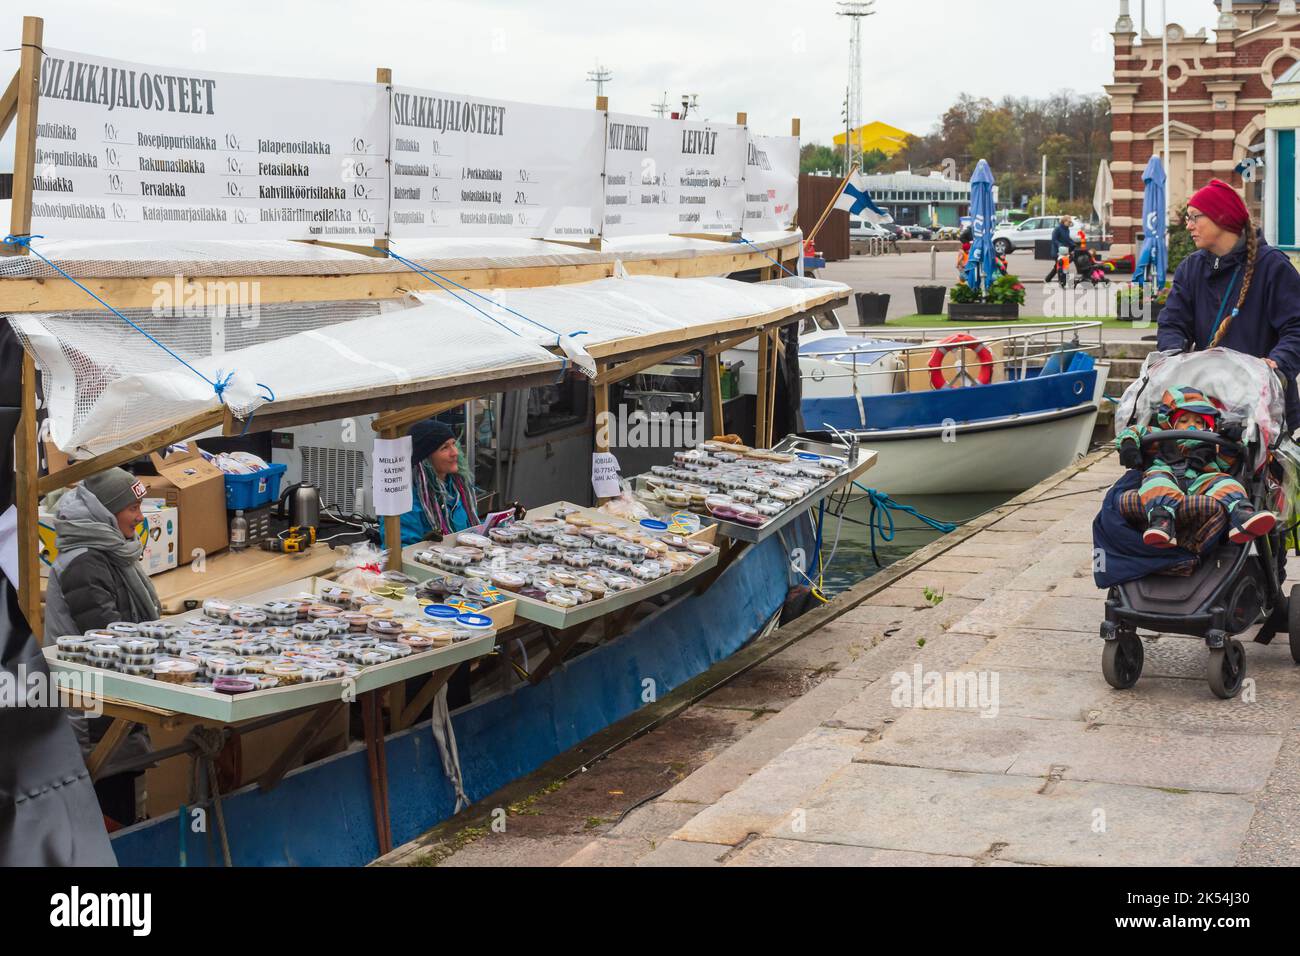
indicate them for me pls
(673, 176)
(466, 166)
(771, 183)
(131, 151)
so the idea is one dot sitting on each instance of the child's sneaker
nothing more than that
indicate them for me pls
(1160, 530)
(1248, 524)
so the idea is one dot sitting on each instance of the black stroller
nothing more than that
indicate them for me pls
(1234, 587)
(1088, 268)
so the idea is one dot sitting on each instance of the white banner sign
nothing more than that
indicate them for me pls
(464, 166)
(771, 183)
(131, 151)
(391, 476)
(673, 176)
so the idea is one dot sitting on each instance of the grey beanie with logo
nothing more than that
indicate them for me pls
(116, 489)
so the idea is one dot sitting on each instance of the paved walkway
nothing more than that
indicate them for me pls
(1050, 767)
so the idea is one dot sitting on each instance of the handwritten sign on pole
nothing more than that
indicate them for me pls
(391, 476)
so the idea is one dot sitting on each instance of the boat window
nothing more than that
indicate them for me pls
(552, 407)
(826, 323)
(807, 325)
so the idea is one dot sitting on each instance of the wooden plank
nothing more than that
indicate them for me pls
(831, 205)
(725, 344)
(321, 717)
(8, 105)
(29, 75)
(178, 431)
(107, 746)
(27, 474)
(55, 294)
(603, 424)
(423, 698)
(555, 656)
(617, 373)
(384, 77)
(393, 523)
(760, 397)
(774, 350)
(713, 386)
(400, 421)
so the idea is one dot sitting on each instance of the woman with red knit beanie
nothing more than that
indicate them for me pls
(1235, 291)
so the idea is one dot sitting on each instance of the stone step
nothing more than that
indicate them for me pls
(1127, 349)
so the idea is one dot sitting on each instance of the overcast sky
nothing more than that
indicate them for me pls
(771, 59)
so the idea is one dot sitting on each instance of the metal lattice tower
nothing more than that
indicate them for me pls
(855, 11)
(663, 107)
(600, 76)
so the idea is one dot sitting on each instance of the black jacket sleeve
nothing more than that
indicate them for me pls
(89, 588)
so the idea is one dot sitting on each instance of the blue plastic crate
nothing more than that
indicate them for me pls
(253, 491)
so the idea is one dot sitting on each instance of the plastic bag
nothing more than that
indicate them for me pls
(1248, 388)
(361, 566)
(626, 505)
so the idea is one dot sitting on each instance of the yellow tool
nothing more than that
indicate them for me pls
(294, 541)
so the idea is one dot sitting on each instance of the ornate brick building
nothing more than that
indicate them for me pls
(1218, 91)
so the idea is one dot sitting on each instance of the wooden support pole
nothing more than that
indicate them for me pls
(773, 359)
(393, 523)
(713, 385)
(794, 126)
(742, 119)
(602, 102)
(26, 465)
(407, 417)
(9, 104)
(761, 397)
(29, 75)
(831, 205)
(384, 77)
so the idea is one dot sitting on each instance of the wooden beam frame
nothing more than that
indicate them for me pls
(9, 104)
(27, 100)
(27, 473)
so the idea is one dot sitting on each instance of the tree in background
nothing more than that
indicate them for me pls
(815, 158)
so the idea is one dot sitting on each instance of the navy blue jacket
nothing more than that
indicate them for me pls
(1268, 325)
(1061, 237)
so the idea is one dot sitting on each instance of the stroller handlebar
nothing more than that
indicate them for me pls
(1195, 435)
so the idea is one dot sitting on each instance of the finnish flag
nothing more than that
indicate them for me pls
(857, 201)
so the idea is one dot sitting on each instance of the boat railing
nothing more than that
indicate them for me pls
(1022, 345)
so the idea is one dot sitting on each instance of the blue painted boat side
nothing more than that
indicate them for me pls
(919, 409)
(321, 815)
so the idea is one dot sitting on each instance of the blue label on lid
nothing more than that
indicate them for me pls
(441, 611)
(474, 620)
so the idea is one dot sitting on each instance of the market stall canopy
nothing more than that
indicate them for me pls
(108, 383)
(616, 317)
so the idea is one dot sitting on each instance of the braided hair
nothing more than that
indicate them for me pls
(1252, 253)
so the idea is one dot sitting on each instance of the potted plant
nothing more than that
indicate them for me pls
(1001, 301)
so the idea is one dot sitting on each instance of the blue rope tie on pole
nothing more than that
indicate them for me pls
(439, 279)
(769, 258)
(218, 386)
(883, 508)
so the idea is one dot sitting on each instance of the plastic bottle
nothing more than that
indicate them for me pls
(239, 531)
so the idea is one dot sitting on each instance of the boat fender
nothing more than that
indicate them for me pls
(952, 343)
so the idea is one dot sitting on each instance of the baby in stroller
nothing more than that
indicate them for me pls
(1088, 268)
(1188, 483)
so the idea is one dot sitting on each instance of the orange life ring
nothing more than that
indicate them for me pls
(956, 342)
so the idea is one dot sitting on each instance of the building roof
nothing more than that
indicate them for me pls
(915, 182)
(877, 135)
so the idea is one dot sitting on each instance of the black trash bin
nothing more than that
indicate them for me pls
(873, 308)
(930, 299)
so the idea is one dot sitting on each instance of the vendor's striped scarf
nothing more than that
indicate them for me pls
(438, 497)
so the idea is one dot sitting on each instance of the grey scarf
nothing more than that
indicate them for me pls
(84, 522)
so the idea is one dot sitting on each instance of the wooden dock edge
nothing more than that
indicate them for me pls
(474, 821)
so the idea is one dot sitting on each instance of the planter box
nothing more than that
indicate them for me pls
(1130, 310)
(930, 299)
(873, 307)
(982, 311)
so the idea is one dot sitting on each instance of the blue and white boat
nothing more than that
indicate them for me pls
(996, 411)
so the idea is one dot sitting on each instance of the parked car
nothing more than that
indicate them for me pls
(1007, 238)
(862, 229)
(918, 232)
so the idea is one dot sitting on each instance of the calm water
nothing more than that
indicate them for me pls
(853, 561)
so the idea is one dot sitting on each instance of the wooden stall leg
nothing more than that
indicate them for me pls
(423, 697)
(372, 722)
(713, 385)
(565, 644)
(761, 397)
(321, 718)
(107, 746)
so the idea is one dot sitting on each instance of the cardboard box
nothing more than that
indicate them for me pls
(160, 536)
(197, 490)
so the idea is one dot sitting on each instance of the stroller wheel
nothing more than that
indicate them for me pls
(1227, 669)
(1121, 661)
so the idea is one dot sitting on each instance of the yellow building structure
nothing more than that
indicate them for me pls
(888, 139)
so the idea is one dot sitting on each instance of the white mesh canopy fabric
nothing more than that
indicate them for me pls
(107, 384)
(583, 314)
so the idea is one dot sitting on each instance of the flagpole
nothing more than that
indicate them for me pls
(827, 211)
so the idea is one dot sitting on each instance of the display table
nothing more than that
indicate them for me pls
(236, 573)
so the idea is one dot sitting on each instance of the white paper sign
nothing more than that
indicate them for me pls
(467, 166)
(673, 176)
(391, 476)
(604, 475)
(132, 151)
(771, 183)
